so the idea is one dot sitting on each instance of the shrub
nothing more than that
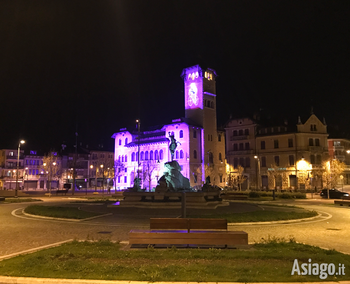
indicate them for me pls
(254, 194)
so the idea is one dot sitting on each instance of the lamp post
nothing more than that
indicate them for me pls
(27, 177)
(258, 172)
(103, 178)
(89, 182)
(19, 147)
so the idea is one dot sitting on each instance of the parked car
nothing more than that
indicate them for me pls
(334, 194)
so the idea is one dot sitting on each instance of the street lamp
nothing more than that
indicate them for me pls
(19, 147)
(27, 177)
(103, 177)
(258, 172)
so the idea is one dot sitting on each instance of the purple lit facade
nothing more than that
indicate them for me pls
(201, 147)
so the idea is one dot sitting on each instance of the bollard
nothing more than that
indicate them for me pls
(183, 205)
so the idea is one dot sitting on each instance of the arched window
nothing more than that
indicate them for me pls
(247, 162)
(177, 155)
(156, 155)
(181, 154)
(220, 157)
(219, 138)
(181, 134)
(211, 158)
(146, 155)
(195, 154)
(172, 133)
(126, 158)
(151, 155)
(122, 159)
(312, 159)
(133, 157)
(137, 157)
(120, 141)
(161, 155)
(126, 141)
(119, 158)
(142, 156)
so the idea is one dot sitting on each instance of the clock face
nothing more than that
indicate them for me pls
(192, 95)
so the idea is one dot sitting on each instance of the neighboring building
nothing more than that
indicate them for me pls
(8, 165)
(201, 148)
(278, 156)
(101, 168)
(340, 149)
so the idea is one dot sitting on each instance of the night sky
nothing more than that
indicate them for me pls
(93, 67)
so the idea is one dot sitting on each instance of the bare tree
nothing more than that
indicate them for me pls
(119, 170)
(51, 167)
(149, 167)
(239, 177)
(332, 172)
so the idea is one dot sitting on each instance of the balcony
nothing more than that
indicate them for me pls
(338, 148)
(317, 149)
(21, 157)
(240, 152)
(240, 137)
(340, 157)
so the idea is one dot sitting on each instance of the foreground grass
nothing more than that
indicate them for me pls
(19, 200)
(59, 212)
(104, 260)
(261, 216)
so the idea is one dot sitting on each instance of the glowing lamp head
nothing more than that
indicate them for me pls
(22, 142)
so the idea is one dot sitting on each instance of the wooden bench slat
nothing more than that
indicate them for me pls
(182, 231)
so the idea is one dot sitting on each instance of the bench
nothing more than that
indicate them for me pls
(62, 191)
(188, 231)
(342, 202)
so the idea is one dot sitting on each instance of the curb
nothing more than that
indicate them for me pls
(275, 222)
(31, 251)
(64, 219)
(28, 280)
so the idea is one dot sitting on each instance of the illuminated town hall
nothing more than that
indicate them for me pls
(200, 149)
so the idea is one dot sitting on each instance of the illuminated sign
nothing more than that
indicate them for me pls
(193, 75)
(192, 95)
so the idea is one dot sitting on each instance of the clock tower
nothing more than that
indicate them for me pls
(200, 108)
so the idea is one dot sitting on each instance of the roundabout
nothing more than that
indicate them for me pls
(20, 232)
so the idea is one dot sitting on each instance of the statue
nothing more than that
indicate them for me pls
(173, 145)
(137, 185)
(173, 180)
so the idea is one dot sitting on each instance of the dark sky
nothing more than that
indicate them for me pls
(96, 66)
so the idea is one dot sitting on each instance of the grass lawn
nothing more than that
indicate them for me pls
(103, 260)
(260, 216)
(19, 200)
(59, 212)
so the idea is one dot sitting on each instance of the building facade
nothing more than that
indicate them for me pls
(278, 156)
(339, 149)
(200, 146)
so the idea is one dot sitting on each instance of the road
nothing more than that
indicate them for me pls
(19, 232)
